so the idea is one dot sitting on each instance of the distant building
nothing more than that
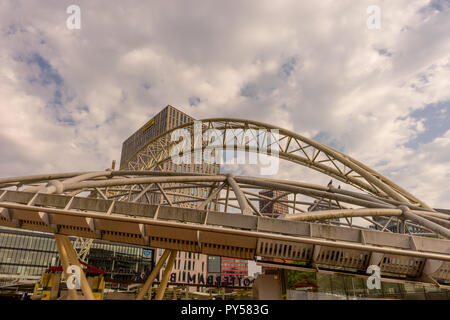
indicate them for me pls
(392, 226)
(27, 254)
(227, 267)
(167, 119)
(273, 209)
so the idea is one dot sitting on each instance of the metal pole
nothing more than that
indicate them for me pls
(295, 202)
(426, 223)
(329, 214)
(164, 194)
(65, 264)
(442, 222)
(213, 193)
(165, 278)
(152, 275)
(243, 203)
(226, 198)
(85, 287)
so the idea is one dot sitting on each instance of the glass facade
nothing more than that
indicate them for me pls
(121, 262)
(393, 227)
(25, 254)
(30, 253)
(337, 286)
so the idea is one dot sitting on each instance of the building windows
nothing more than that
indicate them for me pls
(214, 264)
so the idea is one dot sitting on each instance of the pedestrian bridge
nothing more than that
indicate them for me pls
(144, 204)
(408, 257)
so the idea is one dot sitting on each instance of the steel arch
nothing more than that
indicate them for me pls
(291, 146)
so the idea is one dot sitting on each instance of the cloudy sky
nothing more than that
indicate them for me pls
(68, 98)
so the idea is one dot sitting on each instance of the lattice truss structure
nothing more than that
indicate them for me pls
(119, 206)
(250, 136)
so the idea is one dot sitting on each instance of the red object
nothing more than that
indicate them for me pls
(90, 269)
(305, 283)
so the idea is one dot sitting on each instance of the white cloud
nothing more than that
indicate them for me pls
(308, 67)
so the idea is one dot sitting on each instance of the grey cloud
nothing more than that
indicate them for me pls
(309, 67)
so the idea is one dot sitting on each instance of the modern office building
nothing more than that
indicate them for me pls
(168, 118)
(163, 121)
(27, 254)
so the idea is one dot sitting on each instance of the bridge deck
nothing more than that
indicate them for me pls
(227, 234)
